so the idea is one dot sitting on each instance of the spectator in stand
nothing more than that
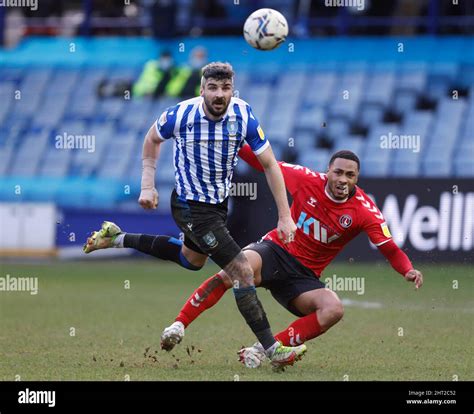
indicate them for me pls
(186, 82)
(155, 76)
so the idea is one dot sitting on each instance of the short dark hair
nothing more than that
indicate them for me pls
(218, 71)
(347, 155)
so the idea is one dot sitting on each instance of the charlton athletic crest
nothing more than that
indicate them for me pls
(345, 221)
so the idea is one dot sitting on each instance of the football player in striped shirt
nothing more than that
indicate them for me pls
(330, 210)
(207, 133)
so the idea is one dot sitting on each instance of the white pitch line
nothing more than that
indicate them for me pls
(361, 304)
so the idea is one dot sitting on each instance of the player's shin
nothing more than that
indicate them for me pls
(252, 310)
(162, 247)
(301, 330)
(204, 297)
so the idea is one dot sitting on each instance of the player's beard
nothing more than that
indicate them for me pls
(212, 110)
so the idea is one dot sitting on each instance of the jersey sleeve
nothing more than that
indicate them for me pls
(297, 176)
(373, 221)
(255, 136)
(165, 124)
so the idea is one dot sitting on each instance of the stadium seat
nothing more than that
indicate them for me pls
(371, 114)
(316, 159)
(406, 163)
(311, 119)
(320, 87)
(303, 103)
(437, 164)
(6, 155)
(404, 100)
(412, 76)
(380, 88)
(259, 95)
(55, 163)
(464, 167)
(336, 127)
(352, 143)
(374, 167)
(26, 161)
(304, 140)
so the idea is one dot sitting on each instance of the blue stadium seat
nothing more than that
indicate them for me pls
(412, 76)
(437, 164)
(241, 80)
(63, 81)
(26, 106)
(7, 90)
(406, 163)
(375, 167)
(337, 127)
(304, 140)
(109, 109)
(352, 143)
(311, 119)
(55, 163)
(320, 88)
(82, 107)
(279, 127)
(116, 158)
(27, 161)
(6, 155)
(303, 103)
(404, 100)
(371, 114)
(259, 98)
(464, 167)
(316, 160)
(380, 88)
(4, 109)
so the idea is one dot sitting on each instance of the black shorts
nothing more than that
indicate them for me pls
(284, 276)
(204, 228)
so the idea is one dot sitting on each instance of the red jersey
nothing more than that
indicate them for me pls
(325, 226)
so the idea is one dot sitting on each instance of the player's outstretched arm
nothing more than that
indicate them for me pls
(286, 226)
(401, 263)
(151, 149)
(250, 158)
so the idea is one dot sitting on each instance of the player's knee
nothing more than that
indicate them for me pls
(240, 272)
(336, 311)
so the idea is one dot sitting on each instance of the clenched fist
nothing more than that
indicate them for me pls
(148, 198)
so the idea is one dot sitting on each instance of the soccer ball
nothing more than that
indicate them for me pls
(265, 29)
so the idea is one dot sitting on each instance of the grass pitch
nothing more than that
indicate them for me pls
(85, 324)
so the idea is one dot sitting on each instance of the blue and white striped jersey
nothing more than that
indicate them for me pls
(205, 150)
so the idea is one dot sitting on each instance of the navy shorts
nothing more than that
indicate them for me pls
(284, 276)
(205, 230)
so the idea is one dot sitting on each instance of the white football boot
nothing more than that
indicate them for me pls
(172, 335)
(253, 356)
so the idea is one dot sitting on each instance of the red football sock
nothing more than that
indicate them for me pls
(300, 331)
(204, 297)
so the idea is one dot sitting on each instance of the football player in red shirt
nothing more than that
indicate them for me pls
(330, 210)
